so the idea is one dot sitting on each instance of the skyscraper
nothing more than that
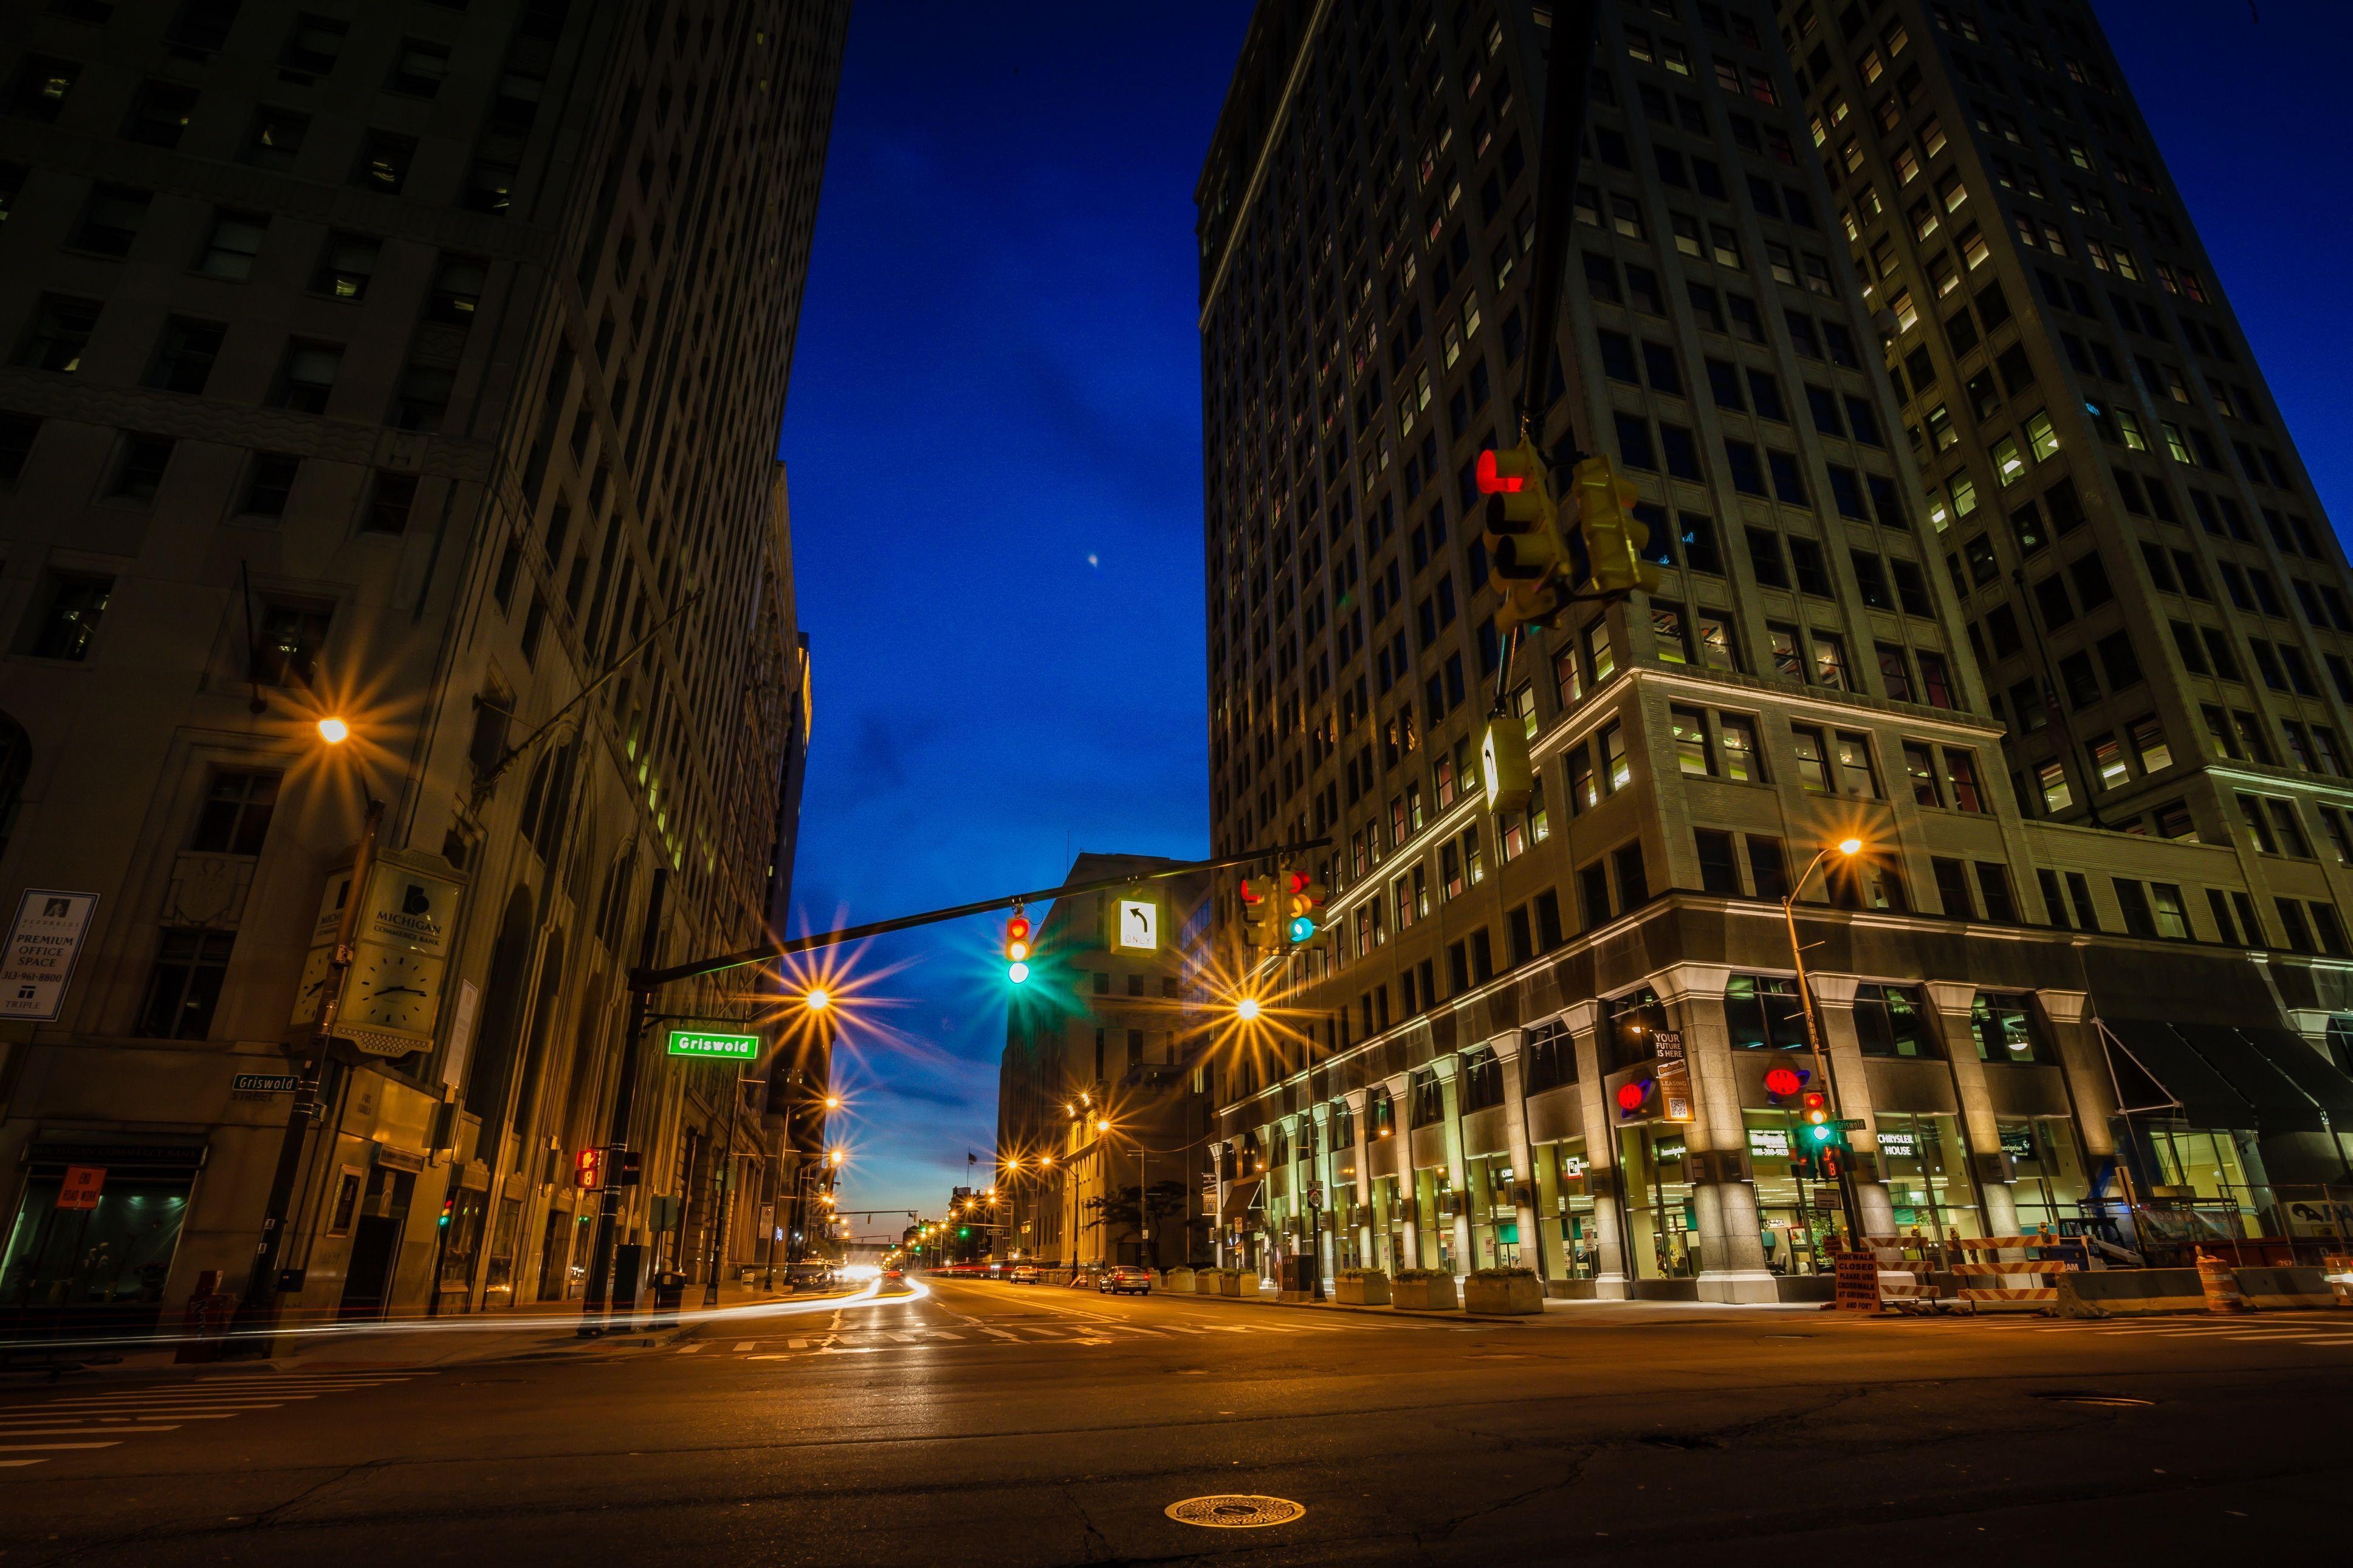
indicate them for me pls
(422, 371)
(1571, 1037)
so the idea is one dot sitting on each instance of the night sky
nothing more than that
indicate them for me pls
(994, 438)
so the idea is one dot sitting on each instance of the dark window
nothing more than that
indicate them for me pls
(185, 985)
(417, 67)
(60, 330)
(1761, 1011)
(346, 266)
(276, 139)
(184, 358)
(17, 433)
(389, 504)
(2005, 1029)
(457, 290)
(160, 113)
(75, 606)
(1769, 870)
(42, 83)
(307, 376)
(1718, 871)
(139, 474)
(287, 645)
(383, 163)
(235, 815)
(269, 483)
(1888, 1022)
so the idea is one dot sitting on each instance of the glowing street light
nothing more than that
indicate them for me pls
(333, 730)
(1247, 1009)
(815, 1000)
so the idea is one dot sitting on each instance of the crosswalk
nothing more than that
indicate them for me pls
(861, 1340)
(2300, 1331)
(61, 1425)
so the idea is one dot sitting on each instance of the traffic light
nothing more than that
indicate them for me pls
(1304, 895)
(1016, 948)
(1503, 763)
(963, 1232)
(1527, 557)
(449, 1208)
(588, 1168)
(1614, 537)
(1257, 896)
(1814, 1112)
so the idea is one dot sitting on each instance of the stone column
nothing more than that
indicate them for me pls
(1355, 1099)
(1400, 1107)
(1319, 1117)
(1952, 999)
(1506, 1047)
(1601, 1154)
(2084, 1059)
(1834, 1010)
(1449, 1068)
(1732, 1255)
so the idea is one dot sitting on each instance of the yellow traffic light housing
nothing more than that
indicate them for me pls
(1527, 555)
(1614, 537)
(1503, 763)
(1258, 909)
(1302, 896)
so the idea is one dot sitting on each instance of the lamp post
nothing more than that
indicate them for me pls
(1849, 848)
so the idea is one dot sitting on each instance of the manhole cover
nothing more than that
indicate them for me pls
(1235, 1511)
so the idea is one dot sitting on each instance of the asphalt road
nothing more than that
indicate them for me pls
(1006, 1425)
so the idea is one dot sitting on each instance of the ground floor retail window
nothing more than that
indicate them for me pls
(2204, 1172)
(1565, 1223)
(1661, 1220)
(1925, 1162)
(1496, 1239)
(2048, 1169)
(461, 1238)
(1386, 1218)
(113, 1257)
(1796, 1215)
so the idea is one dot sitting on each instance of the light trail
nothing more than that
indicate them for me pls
(870, 1296)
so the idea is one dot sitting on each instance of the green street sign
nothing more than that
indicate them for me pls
(728, 1047)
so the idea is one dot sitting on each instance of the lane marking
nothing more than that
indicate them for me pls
(36, 1448)
(747, 1345)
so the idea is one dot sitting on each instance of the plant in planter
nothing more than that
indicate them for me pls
(1361, 1288)
(1508, 1292)
(1180, 1279)
(1423, 1290)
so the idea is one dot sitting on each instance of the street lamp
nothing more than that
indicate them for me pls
(1848, 849)
(333, 730)
(816, 999)
(1247, 1009)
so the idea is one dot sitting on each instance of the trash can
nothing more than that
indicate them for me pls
(670, 1291)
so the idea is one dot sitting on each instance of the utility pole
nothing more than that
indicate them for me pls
(726, 1191)
(624, 1089)
(261, 1284)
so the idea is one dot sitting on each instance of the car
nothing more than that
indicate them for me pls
(1023, 1274)
(809, 1276)
(1121, 1279)
(893, 1275)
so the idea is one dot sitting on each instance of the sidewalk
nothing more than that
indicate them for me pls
(535, 1331)
(1554, 1308)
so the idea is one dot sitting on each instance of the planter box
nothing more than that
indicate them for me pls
(1423, 1295)
(1372, 1290)
(1516, 1297)
(1180, 1280)
(1232, 1284)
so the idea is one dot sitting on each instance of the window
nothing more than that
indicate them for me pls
(1694, 751)
(1719, 873)
(275, 140)
(42, 83)
(184, 355)
(1953, 888)
(389, 504)
(235, 815)
(1889, 1022)
(383, 163)
(138, 472)
(2004, 1029)
(308, 376)
(1858, 775)
(287, 645)
(269, 483)
(346, 266)
(311, 45)
(1920, 769)
(75, 606)
(160, 113)
(60, 330)
(184, 984)
(1763, 1013)
(1993, 881)
(1742, 761)
(233, 242)
(1813, 759)
(417, 69)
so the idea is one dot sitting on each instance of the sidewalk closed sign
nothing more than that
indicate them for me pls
(725, 1047)
(83, 1184)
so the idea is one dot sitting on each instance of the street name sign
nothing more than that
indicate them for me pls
(722, 1047)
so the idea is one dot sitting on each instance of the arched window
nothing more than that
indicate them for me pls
(16, 763)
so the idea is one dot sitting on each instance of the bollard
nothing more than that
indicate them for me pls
(2220, 1286)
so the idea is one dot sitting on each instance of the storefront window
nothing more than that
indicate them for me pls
(1660, 1222)
(110, 1260)
(1627, 1025)
(1388, 1226)
(1888, 1022)
(1494, 1217)
(2050, 1185)
(1794, 1214)
(1550, 1060)
(1761, 1013)
(2201, 1185)
(2004, 1026)
(1925, 1162)
(1380, 1116)
(1565, 1223)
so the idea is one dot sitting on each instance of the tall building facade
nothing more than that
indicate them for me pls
(1570, 1038)
(1103, 1123)
(418, 368)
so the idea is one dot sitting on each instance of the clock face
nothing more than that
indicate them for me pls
(391, 989)
(1139, 923)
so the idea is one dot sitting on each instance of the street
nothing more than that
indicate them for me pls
(966, 1421)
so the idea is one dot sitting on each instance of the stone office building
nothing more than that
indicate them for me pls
(2032, 1018)
(419, 368)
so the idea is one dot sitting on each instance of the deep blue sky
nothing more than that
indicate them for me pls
(994, 437)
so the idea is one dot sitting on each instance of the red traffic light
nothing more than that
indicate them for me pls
(1018, 929)
(1251, 890)
(1492, 483)
(588, 1168)
(1782, 1082)
(1817, 1106)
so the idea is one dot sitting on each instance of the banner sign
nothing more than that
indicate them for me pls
(1674, 1076)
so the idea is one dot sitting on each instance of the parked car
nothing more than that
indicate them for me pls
(809, 1276)
(1023, 1274)
(1121, 1280)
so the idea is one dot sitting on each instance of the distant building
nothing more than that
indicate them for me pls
(423, 369)
(2034, 601)
(1109, 1028)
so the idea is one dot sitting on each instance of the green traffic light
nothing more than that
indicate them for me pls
(1821, 1133)
(1302, 927)
(1018, 972)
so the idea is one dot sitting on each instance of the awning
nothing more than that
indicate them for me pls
(2315, 1073)
(2280, 1105)
(2146, 1055)
(1239, 1193)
